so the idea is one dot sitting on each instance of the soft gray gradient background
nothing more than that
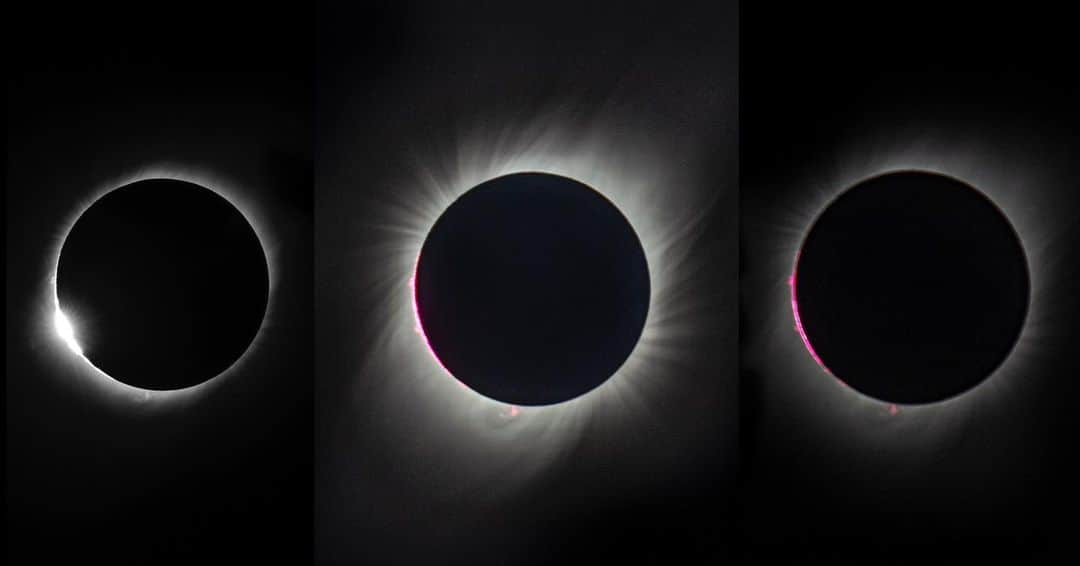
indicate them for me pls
(639, 103)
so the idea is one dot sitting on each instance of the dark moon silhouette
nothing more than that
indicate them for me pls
(165, 282)
(911, 287)
(532, 289)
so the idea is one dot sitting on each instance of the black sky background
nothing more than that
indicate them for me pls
(97, 92)
(812, 80)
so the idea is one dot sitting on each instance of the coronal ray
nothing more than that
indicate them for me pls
(664, 201)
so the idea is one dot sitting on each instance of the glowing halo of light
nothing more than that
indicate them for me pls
(652, 258)
(658, 191)
(62, 328)
(793, 278)
(1008, 175)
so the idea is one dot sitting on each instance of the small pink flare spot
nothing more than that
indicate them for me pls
(512, 411)
(893, 410)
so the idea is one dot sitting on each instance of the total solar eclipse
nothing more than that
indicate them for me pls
(164, 284)
(911, 287)
(532, 289)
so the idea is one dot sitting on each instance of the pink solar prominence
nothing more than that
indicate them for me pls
(798, 323)
(419, 327)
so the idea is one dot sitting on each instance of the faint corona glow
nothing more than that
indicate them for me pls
(66, 331)
(115, 390)
(793, 278)
(1009, 173)
(792, 281)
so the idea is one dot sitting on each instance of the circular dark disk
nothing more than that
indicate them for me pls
(911, 287)
(165, 282)
(532, 289)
